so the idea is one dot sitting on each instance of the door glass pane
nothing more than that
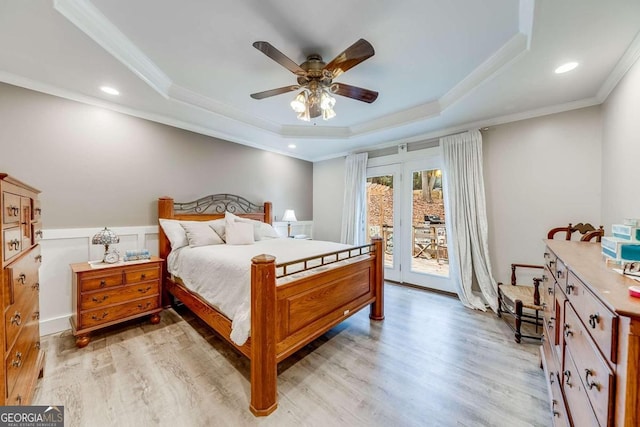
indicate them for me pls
(380, 213)
(429, 236)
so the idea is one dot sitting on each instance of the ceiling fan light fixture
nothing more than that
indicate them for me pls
(299, 103)
(328, 113)
(305, 116)
(327, 101)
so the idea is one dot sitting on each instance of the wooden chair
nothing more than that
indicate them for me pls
(522, 302)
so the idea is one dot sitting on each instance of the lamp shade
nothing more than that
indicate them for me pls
(289, 215)
(105, 237)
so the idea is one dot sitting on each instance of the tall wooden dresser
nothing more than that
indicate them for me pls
(20, 254)
(591, 345)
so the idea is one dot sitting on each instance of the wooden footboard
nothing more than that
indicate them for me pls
(284, 317)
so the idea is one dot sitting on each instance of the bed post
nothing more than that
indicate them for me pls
(268, 218)
(165, 210)
(264, 369)
(377, 307)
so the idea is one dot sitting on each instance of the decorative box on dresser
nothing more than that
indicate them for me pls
(591, 345)
(20, 254)
(105, 295)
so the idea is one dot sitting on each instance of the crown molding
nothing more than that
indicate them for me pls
(631, 55)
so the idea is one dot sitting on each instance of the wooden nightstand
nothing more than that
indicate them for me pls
(108, 295)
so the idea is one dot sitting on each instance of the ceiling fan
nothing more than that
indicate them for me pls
(315, 78)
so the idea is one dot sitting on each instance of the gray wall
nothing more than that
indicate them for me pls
(539, 174)
(621, 151)
(97, 167)
(328, 199)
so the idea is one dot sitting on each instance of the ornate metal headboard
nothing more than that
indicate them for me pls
(218, 204)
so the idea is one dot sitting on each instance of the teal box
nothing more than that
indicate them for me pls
(626, 232)
(620, 249)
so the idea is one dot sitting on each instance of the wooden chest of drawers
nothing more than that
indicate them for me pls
(21, 259)
(107, 295)
(591, 345)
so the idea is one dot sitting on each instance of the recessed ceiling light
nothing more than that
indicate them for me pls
(566, 67)
(110, 90)
(292, 146)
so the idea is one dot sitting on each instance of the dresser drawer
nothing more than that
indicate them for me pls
(28, 339)
(135, 275)
(114, 313)
(581, 413)
(558, 407)
(36, 213)
(17, 315)
(23, 274)
(10, 208)
(100, 280)
(601, 323)
(12, 242)
(108, 297)
(22, 391)
(547, 295)
(596, 376)
(36, 230)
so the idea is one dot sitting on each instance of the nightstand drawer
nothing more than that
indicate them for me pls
(114, 296)
(100, 280)
(142, 274)
(117, 312)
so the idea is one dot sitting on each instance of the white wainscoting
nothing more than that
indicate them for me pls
(62, 247)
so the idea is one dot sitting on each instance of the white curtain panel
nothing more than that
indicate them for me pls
(355, 194)
(467, 219)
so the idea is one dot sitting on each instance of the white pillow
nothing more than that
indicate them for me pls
(261, 230)
(174, 232)
(200, 233)
(218, 226)
(239, 233)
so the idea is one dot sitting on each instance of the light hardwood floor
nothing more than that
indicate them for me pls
(431, 362)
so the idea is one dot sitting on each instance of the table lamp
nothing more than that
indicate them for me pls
(107, 237)
(289, 216)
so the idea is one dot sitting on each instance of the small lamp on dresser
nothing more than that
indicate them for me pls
(107, 237)
(289, 216)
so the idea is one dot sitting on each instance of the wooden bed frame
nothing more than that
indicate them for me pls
(286, 317)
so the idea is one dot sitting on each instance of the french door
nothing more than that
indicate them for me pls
(406, 207)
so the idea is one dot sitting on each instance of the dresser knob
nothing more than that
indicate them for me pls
(99, 300)
(143, 276)
(16, 319)
(36, 315)
(569, 288)
(140, 306)
(38, 258)
(594, 319)
(35, 286)
(17, 362)
(592, 384)
(144, 291)
(38, 345)
(567, 374)
(19, 399)
(103, 283)
(567, 330)
(22, 278)
(550, 290)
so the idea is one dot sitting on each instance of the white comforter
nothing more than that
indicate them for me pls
(221, 274)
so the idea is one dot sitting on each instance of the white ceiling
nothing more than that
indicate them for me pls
(440, 65)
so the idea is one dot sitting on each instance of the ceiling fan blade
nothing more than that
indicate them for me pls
(273, 92)
(352, 56)
(273, 53)
(364, 95)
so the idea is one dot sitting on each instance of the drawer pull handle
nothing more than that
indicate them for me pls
(552, 262)
(592, 384)
(569, 288)
(567, 330)
(99, 300)
(550, 290)
(14, 244)
(559, 274)
(95, 317)
(38, 345)
(36, 315)
(38, 211)
(567, 374)
(103, 283)
(38, 258)
(17, 362)
(144, 291)
(39, 233)
(22, 278)
(594, 319)
(35, 286)
(13, 210)
(550, 322)
(143, 276)
(16, 319)
(146, 306)
(551, 378)
(19, 399)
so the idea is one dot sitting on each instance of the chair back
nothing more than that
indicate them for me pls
(587, 232)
